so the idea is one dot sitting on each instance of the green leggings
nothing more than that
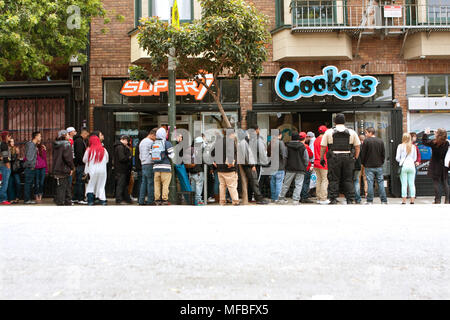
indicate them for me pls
(407, 177)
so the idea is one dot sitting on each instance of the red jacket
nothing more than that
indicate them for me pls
(317, 148)
(419, 158)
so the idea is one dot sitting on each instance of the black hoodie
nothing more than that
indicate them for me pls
(62, 158)
(297, 159)
(122, 158)
(79, 148)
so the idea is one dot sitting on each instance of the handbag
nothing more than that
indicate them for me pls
(86, 177)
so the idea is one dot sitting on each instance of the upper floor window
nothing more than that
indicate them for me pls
(428, 85)
(162, 9)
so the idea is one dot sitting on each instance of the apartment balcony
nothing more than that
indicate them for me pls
(323, 29)
(326, 16)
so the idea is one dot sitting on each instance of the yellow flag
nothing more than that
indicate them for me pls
(175, 15)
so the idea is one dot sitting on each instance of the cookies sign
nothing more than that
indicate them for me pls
(344, 85)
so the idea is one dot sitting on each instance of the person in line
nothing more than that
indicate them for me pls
(276, 180)
(30, 165)
(147, 189)
(196, 174)
(406, 157)
(372, 158)
(71, 133)
(99, 134)
(95, 159)
(181, 171)
(437, 170)
(162, 153)
(344, 147)
(41, 170)
(414, 142)
(79, 146)
(296, 164)
(142, 134)
(363, 177)
(255, 153)
(63, 168)
(5, 167)
(14, 186)
(304, 196)
(321, 170)
(122, 169)
(310, 139)
(356, 180)
(227, 167)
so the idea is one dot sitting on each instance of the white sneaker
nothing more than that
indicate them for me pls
(295, 203)
(211, 199)
(283, 201)
(324, 202)
(82, 202)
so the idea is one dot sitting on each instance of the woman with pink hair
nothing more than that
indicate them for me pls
(96, 158)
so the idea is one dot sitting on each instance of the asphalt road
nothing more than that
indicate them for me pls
(254, 252)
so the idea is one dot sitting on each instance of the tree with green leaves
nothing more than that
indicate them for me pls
(36, 34)
(230, 39)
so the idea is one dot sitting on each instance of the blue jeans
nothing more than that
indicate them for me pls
(147, 185)
(216, 183)
(276, 182)
(183, 178)
(372, 174)
(14, 187)
(305, 188)
(6, 172)
(197, 185)
(30, 177)
(40, 178)
(78, 190)
(356, 174)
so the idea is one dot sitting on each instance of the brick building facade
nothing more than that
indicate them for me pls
(359, 36)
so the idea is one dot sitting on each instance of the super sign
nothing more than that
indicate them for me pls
(182, 87)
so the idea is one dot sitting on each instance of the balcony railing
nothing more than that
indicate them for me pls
(335, 15)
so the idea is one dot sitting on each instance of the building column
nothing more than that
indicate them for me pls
(400, 95)
(246, 99)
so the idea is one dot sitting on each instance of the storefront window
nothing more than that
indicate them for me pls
(384, 89)
(380, 122)
(415, 86)
(112, 91)
(436, 86)
(263, 90)
(230, 90)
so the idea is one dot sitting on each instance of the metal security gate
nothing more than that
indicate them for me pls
(24, 116)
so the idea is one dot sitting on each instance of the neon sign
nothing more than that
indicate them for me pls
(182, 87)
(344, 85)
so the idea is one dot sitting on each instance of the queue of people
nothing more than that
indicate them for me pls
(236, 162)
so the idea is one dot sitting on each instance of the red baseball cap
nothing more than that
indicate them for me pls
(302, 135)
(322, 129)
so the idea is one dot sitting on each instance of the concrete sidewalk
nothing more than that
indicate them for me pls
(111, 202)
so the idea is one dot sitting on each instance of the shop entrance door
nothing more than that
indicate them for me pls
(311, 121)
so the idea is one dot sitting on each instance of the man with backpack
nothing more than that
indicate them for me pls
(162, 152)
(297, 162)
